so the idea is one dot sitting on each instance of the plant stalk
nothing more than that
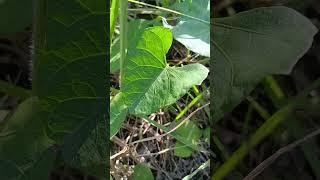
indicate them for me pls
(123, 36)
(13, 90)
(40, 21)
(113, 17)
(294, 126)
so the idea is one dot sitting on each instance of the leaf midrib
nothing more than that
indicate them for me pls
(142, 94)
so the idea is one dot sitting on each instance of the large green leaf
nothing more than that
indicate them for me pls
(193, 33)
(15, 15)
(250, 45)
(149, 83)
(69, 78)
(89, 155)
(42, 167)
(70, 72)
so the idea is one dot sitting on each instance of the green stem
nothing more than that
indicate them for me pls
(247, 120)
(113, 17)
(196, 90)
(192, 103)
(202, 167)
(294, 126)
(274, 91)
(265, 130)
(262, 112)
(40, 15)
(123, 36)
(260, 134)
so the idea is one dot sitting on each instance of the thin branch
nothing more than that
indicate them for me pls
(262, 166)
(172, 130)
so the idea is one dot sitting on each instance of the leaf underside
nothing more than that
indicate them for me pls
(251, 45)
(194, 34)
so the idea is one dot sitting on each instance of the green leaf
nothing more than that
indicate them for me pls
(139, 26)
(251, 45)
(43, 166)
(10, 169)
(70, 72)
(174, 134)
(193, 33)
(87, 147)
(142, 172)
(13, 90)
(149, 83)
(37, 170)
(23, 140)
(192, 134)
(118, 113)
(15, 15)
(115, 56)
(207, 134)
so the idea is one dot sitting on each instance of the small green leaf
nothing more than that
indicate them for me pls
(142, 172)
(118, 113)
(207, 134)
(192, 134)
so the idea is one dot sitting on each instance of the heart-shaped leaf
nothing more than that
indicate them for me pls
(149, 83)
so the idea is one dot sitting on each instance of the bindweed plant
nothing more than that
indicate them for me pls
(62, 120)
(147, 82)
